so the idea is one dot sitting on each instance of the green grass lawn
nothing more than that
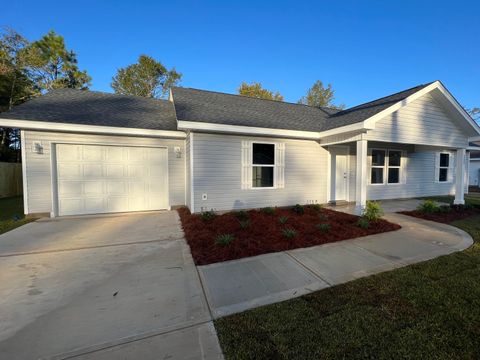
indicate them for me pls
(11, 214)
(473, 199)
(429, 310)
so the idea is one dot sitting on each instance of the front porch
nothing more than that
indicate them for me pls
(388, 206)
(364, 170)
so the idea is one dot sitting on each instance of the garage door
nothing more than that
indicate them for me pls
(94, 179)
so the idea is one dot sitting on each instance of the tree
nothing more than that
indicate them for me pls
(53, 66)
(15, 88)
(27, 69)
(148, 78)
(256, 90)
(320, 96)
(474, 113)
(15, 83)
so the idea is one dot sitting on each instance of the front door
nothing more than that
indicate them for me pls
(339, 171)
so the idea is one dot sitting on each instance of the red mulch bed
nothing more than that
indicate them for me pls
(456, 213)
(264, 234)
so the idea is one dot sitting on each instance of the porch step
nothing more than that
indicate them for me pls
(338, 202)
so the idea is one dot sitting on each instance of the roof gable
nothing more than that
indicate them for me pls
(193, 105)
(440, 94)
(365, 111)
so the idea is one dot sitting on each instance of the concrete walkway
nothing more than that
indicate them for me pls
(238, 285)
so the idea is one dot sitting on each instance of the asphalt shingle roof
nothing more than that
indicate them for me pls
(96, 108)
(221, 108)
(104, 109)
(228, 109)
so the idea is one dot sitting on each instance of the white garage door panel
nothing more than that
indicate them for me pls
(95, 179)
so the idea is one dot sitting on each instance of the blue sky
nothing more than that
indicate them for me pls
(366, 49)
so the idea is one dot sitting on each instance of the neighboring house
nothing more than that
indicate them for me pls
(87, 152)
(474, 166)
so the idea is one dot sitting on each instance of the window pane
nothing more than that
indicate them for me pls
(264, 154)
(394, 176)
(443, 175)
(378, 157)
(394, 158)
(377, 176)
(262, 176)
(444, 160)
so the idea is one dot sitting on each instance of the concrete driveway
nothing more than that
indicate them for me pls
(102, 288)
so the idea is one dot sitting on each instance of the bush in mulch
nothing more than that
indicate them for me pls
(266, 233)
(443, 214)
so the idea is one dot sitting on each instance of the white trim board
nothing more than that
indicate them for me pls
(89, 129)
(24, 171)
(192, 193)
(250, 130)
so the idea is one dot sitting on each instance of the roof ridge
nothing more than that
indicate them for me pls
(383, 97)
(255, 98)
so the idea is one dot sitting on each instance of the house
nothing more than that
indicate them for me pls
(474, 166)
(87, 152)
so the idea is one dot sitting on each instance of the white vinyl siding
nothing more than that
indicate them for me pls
(218, 173)
(422, 122)
(39, 166)
(418, 174)
(474, 172)
(420, 179)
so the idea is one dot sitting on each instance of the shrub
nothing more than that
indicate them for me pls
(323, 216)
(289, 233)
(241, 215)
(244, 223)
(268, 210)
(444, 209)
(468, 206)
(363, 222)
(224, 239)
(207, 215)
(316, 207)
(324, 227)
(373, 211)
(283, 219)
(428, 206)
(298, 209)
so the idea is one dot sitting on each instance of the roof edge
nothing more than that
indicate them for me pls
(89, 129)
(259, 131)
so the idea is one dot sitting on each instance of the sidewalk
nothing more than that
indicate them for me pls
(238, 285)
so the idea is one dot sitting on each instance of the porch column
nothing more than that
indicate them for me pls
(460, 177)
(361, 178)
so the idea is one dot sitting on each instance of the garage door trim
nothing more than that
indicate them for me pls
(54, 173)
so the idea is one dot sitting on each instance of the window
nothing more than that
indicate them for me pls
(378, 166)
(394, 166)
(263, 165)
(443, 167)
(386, 166)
